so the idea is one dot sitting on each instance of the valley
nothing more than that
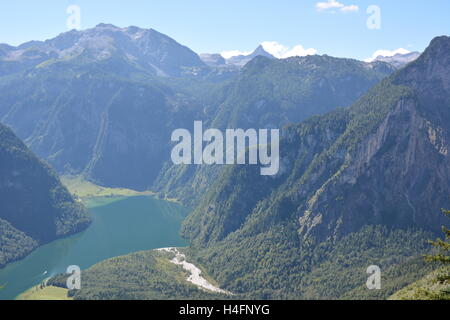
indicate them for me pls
(358, 172)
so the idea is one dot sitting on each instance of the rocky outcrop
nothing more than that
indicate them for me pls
(383, 161)
(146, 49)
(399, 175)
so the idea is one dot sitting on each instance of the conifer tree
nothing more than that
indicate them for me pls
(443, 246)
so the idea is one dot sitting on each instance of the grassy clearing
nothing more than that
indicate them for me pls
(94, 195)
(46, 293)
(83, 189)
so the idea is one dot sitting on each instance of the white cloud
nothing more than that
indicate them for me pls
(333, 4)
(350, 8)
(330, 4)
(234, 53)
(280, 51)
(386, 53)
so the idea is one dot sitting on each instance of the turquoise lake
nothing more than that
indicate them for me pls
(119, 226)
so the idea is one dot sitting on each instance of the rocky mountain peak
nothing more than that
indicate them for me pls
(106, 26)
(149, 49)
(430, 72)
(399, 60)
(260, 51)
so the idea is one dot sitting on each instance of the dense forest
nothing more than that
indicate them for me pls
(35, 208)
(145, 275)
(379, 162)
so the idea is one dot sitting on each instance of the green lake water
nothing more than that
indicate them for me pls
(119, 226)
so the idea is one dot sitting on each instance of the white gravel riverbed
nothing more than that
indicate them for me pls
(195, 273)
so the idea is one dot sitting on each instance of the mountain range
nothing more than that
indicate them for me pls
(242, 60)
(358, 186)
(95, 111)
(271, 93)
(144, 49)
(381, 163)
(364, 166)
(399, 60)
(218, 61)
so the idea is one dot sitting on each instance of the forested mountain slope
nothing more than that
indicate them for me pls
(270, 94)
(430, 287)
(103, 102)
(358, 186)
(34, 206)
(83, 119)
(145, 275)
(383, 161)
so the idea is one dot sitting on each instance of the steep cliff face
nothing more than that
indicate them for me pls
(398, 175)
(101, 102)
(34, 206)
(271, 94)
(114, 130)
(357, 186)
(382, 161)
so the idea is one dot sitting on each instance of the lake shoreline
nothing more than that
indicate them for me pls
(84, 190)
(173, 255)
(121, 225)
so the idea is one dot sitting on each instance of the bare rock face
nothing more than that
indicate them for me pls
(147, 49)
(272, 93)
(399, 174)
(95, 102)
(383, 161)
(399, 60)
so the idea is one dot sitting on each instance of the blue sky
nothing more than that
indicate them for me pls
(218, 26)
